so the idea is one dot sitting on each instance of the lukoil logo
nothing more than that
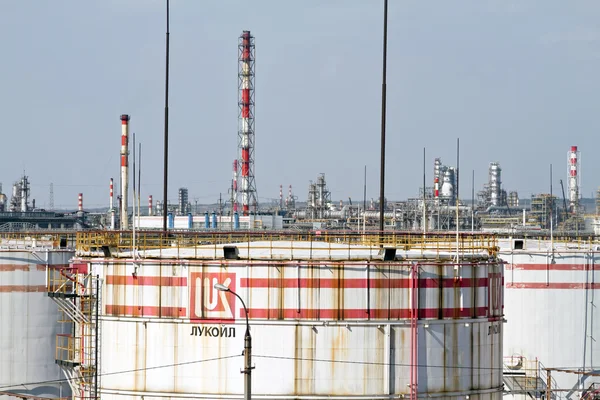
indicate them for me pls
(206, 302)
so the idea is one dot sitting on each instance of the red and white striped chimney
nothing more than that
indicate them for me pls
(150, 205)
(235, 185)
(80, 202)
(436, 187)
(111, 193)
(280, 196)
(124, 170)
(246, 60)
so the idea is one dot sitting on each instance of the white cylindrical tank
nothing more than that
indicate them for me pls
(553, 319)
(29, 320)
(343, 329)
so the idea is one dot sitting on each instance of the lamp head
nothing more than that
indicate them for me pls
(221, 287)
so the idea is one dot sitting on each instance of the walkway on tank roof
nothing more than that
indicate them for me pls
(283, 245)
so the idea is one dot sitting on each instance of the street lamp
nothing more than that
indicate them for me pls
(247, 371)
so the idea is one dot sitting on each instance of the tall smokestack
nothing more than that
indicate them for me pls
(111, 205)
(246, 59)
(80, 202)
(124, 170)
(280, 196)
(574, 180)
(288, 201)
(235, 185)
(110, 194)
(150, 205)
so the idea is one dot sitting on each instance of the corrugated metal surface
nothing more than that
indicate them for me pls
(552, 307)
(28, 322)
(333, 329)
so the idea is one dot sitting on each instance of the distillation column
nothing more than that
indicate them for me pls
(574, 182)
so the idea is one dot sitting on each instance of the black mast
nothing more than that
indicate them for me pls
(383, 104)
(166, 157)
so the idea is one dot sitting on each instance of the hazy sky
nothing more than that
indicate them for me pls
(516, 81)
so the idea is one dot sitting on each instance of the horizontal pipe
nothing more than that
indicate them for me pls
(311, 323)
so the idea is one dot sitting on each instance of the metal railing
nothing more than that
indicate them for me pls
(67, 347)
(528, 376)
(61, 280)
(35, 239)
(271, 244)
(592, 392)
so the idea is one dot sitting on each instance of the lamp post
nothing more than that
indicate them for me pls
(247, 371)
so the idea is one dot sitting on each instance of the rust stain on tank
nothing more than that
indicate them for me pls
(379, 295)
(145, 352)
(403, 342)
(136, 365)
(316, 293)
(297, 361)
(338, 291)
(310, 292)
(15, 267)
(134, 289)
(455, 352)
(22, 288)
(281, 291)
(339, 348)
(176, 353)
(305, 354)
(439, 270)
(118, 291)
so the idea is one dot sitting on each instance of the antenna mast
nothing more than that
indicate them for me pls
(166, 155)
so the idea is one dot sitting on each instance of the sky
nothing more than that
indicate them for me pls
(515, 81)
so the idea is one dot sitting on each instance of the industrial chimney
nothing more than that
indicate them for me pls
(124, 170)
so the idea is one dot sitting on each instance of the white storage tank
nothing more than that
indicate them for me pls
(330, 316)
(552, 311)
(28, 319)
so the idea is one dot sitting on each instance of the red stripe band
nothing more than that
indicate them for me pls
(23, 289)
(362, 283)
(361, 313)
(552, 267)
(145, 311)
(552, 285)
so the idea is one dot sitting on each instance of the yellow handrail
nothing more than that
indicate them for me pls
(122, 241)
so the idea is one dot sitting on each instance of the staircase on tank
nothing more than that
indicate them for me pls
(77, 294)
(526, 377)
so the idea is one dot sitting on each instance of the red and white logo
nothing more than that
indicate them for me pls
(208, 303)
